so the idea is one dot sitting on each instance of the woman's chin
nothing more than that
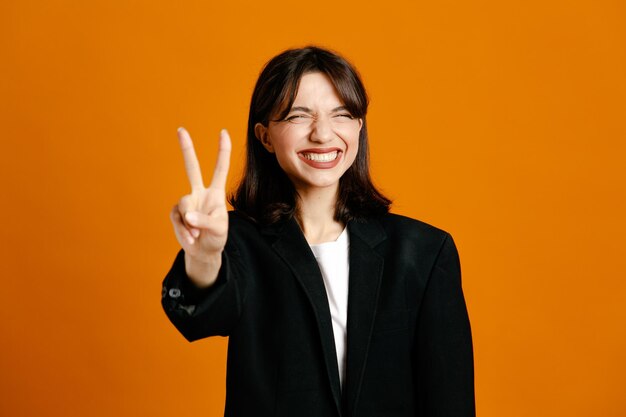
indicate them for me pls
(317, 184)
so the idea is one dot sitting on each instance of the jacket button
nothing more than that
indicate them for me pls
(174, 292)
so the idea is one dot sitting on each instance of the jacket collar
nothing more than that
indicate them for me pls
(365, 274)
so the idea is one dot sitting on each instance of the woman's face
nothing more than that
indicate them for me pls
(318, 139)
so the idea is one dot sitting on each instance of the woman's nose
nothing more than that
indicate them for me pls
(322, 130)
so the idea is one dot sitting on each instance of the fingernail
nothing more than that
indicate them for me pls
(195, 232)
(190, 217)
(190, 240)
(181, 129)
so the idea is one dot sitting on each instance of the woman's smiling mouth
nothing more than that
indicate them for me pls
(320, 158)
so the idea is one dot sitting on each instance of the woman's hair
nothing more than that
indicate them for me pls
(265, 193)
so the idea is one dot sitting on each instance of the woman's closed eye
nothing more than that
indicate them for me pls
(304, 117)
(297, 118)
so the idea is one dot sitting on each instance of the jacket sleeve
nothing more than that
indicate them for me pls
(443, 353)
(202, 312)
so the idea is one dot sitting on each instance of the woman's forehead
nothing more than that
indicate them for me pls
(317, 89)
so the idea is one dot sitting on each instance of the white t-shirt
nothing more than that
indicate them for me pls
(333, 260)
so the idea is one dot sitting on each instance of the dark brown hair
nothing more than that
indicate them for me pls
(265, 193)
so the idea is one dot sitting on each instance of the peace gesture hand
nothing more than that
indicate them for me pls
(200, 219)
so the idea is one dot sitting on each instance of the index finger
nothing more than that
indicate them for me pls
(223, 161)
(192, 166)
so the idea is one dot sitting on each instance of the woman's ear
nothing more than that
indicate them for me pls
(262, 135)
(360, 123)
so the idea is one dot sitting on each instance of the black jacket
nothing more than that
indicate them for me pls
(409, 349)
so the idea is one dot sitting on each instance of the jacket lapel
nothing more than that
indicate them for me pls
(292, 247)
(365, 275)
(366, 271)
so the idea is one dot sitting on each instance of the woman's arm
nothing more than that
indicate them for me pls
(443, 354)
(199, 312)
(199, 295)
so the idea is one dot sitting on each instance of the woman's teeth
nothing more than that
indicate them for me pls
(321, 157)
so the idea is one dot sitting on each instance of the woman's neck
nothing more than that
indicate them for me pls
(316, 215)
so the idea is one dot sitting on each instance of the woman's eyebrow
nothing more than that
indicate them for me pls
(308, 110)
(300, 108)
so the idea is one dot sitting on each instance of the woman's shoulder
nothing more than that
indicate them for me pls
(241, 224)
(400, 227)
(401, 237)
(394, 220)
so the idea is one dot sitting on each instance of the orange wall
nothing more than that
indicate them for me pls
(501, 122)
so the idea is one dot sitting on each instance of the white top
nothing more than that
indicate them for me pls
(333, 260)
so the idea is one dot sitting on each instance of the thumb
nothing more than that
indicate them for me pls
(197, 219)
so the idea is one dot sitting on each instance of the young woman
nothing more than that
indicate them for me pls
(333, 306)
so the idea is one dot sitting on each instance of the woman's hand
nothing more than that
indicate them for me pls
(200, 219)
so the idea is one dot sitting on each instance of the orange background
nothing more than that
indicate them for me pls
(502, 122)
